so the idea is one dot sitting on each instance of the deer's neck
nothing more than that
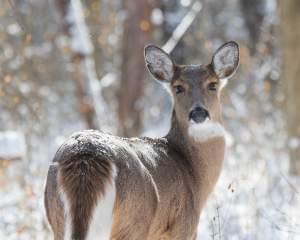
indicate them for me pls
(177, 137)
(205, 157)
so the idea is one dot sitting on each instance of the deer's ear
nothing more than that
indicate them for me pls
(226, 60)
(159, 63)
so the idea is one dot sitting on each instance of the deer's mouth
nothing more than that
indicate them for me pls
(199, 115)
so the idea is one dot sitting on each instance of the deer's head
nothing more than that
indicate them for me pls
(195, 88)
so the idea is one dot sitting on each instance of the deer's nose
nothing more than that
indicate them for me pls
(198, 115)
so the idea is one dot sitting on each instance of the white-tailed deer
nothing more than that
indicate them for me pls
(107, 187)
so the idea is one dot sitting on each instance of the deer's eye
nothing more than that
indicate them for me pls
(179, 89)
(213, 86)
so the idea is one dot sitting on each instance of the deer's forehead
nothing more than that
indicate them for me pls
(195, 74)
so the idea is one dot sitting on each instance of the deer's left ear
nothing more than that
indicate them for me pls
(226, 60)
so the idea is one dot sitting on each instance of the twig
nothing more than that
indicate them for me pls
(219, 222)
(289, 183)
(182, 27)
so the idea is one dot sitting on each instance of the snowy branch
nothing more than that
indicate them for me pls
(182, 27)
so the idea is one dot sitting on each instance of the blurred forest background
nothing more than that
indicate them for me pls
(67, 65)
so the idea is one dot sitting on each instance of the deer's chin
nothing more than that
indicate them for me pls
(204, 131)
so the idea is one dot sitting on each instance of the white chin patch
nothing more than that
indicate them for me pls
(202, 132)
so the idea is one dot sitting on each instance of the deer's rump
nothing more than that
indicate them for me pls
(145, 201)
(77, 180)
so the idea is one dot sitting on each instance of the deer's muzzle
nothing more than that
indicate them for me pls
(198, 115)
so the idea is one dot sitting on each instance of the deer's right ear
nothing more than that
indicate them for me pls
(159, 63)
(226, 60)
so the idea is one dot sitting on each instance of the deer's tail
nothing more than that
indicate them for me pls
(87, 189)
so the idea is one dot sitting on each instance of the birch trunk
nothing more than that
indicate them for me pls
(91, 104)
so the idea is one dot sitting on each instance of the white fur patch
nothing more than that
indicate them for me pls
(102, 217)
(68, 225)
(202, 132)
(102, 220)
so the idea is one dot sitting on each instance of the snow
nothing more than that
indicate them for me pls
(13, 29)
(12, 145)
(157, 16)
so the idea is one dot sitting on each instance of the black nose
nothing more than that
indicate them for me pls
(198, 114)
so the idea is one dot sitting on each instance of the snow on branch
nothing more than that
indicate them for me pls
(80, 40)
(182, 27)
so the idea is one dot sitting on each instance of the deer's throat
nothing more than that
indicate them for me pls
(202, 145)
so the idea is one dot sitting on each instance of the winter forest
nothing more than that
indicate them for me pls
(69, 65)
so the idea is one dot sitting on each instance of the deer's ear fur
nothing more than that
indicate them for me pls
(159, 63)
(226, 60)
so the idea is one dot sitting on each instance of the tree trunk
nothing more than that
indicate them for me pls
(136, 34)
(80, 49)
(290, 22)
